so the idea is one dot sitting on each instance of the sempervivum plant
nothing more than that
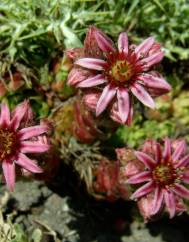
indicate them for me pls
(17, 138)
(115, 74)
(162, 181)
(108, 181)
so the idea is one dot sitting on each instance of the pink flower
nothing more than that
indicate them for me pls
(164, 176)
(120, 73)
(16, 140)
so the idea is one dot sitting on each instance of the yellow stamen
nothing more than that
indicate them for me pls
(7, 143)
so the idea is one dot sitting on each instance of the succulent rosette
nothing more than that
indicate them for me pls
(117, 74)
(18, 137)
(109, 182)
(162, 182)
(90, 49)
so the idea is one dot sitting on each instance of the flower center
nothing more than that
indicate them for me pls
(7, 143)
(165, 174)
(121, 71)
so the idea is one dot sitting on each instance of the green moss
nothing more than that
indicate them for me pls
(136, 134)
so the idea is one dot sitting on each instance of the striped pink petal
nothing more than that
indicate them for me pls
(9, 173)
(92, 81)
(180, 149)
(104, 43)
(170, 202)
(183, 162)
(123, 43)
(146, 159)
(105, 98)
(33, 131)
(144, 190)
(139, 91)
(185, 177)
(181, 191)
(130, 116)
(144, 47)
(155, 82)
(140, 177)
(123, 104)
(28, 164)
(158, 200)
(91, 63)
(167, 150)
(5, 115)
(33, 147)
(153, 59)
(158, 152)
(18, 114)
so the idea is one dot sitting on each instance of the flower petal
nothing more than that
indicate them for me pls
(30, 132)
(9, 173)
(180, 149)
(105, 98)
(181, 191)
(140, 177)
(155, 82)
(158, 200)
(146, 159)
(18, 114)
(144, 47)
(123, 104)
(92, 81)
(167, 150)
(153, 59)
(130, 116)
(185, 177)
(104, 43)
(33, 147)
(91, 63)
(183, 162)
(123, 43)
(5, 115)
(144, 190)
(170, 202)
(115, 114)
(139, 91)
(28, 164)
(157, 151)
